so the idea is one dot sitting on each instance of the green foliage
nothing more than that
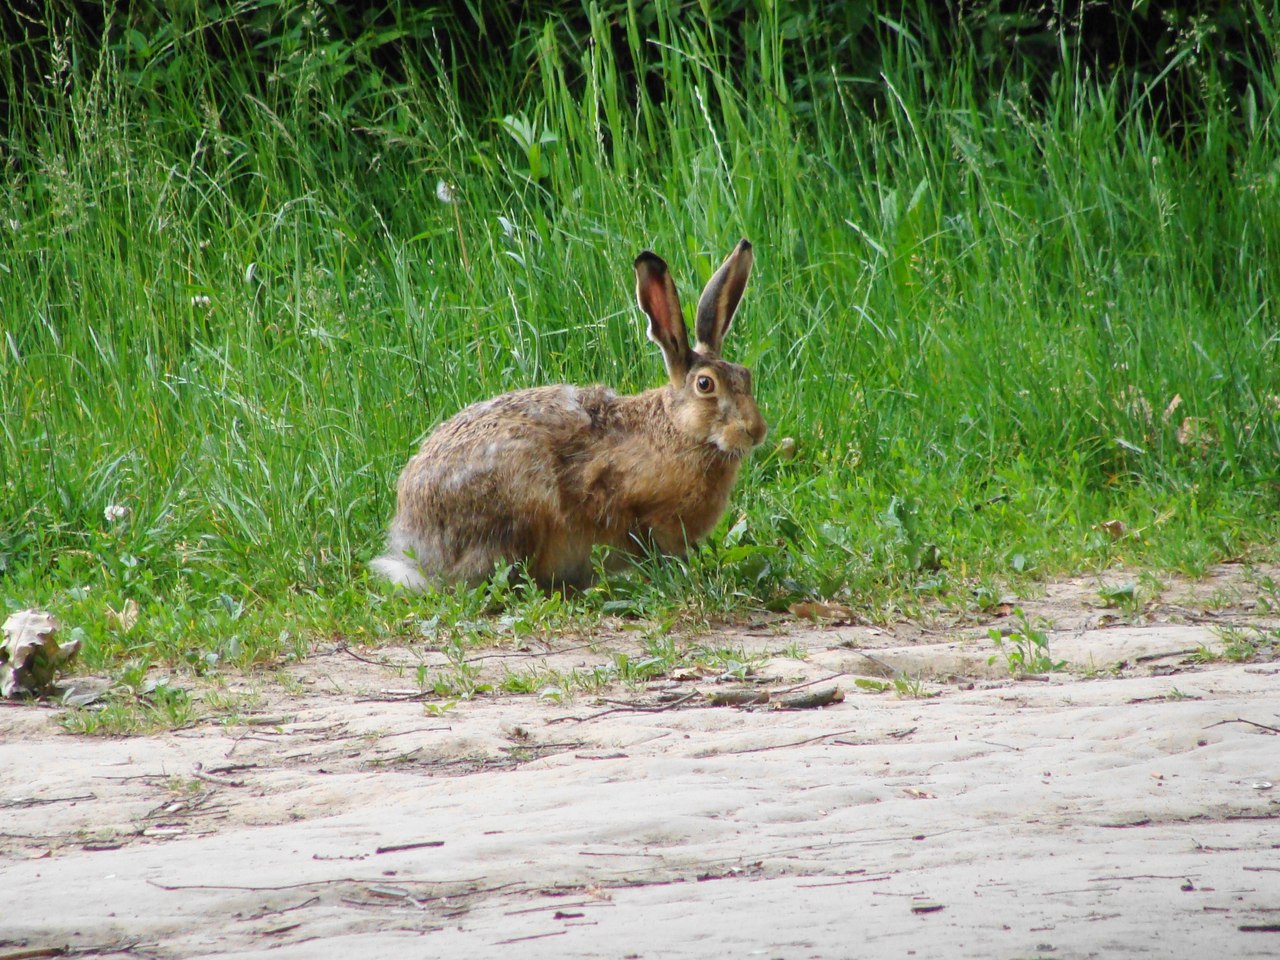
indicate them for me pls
(251, 253)
(1179, 63)
(906, 686)
(1024, 650)
(139, 702)
(1244, 644)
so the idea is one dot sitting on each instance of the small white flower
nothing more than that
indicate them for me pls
(114, 512)
(445, 192)
(201, 300)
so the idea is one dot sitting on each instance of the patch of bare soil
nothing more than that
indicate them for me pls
(1121, 808)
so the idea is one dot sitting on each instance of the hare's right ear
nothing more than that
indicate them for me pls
(656, 294)
(720, 299)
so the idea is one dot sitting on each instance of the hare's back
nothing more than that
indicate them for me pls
(523, 437)
(554, 416)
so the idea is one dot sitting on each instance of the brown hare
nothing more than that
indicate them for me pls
(542, 475)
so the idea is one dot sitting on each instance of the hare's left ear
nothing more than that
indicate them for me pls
(656, 294)
(720, 299)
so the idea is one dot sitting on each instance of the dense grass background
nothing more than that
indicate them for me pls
(994, 315)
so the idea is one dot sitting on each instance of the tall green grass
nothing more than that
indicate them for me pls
(991, 323)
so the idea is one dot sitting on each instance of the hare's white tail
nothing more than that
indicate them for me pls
(400, 570)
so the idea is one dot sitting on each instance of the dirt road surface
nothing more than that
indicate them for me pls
(1121, 808)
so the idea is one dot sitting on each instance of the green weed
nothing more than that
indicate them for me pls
(1024, 650)
(1123, 597)
(1245, 644)
(139, 702)
(904, 685)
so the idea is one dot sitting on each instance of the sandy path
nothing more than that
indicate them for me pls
(1113, 813)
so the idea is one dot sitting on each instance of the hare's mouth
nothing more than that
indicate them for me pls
(735, 448)
(737, 438)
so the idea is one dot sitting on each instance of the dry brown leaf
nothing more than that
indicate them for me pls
(1114, 528)
(819, 610)
(1195, 431)
(30, 656)
(1132, 402)
(126, 617)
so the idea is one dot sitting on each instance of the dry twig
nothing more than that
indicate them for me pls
(1260, 726)
(793, 743)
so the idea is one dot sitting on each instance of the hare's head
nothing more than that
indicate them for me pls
(712, 400)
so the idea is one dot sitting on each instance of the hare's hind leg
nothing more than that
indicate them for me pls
(456, 547)
(464, 508)
(563, 562)
(499, 516)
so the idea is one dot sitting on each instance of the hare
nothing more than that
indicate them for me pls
(542, 475)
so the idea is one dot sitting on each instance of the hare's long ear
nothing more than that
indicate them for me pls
(656, 294)
(720, 299)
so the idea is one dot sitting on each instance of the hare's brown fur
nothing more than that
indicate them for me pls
(541, 475)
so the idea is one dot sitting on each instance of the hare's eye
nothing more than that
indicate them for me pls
(705, 384)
